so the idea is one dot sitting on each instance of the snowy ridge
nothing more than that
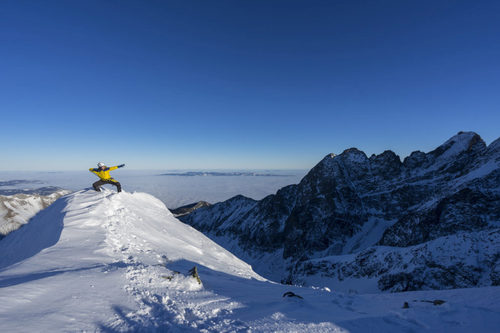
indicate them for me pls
(117, 242)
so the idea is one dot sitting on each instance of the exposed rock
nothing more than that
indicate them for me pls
(292, 294)
(187, 209)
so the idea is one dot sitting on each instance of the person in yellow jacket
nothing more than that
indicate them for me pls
(102, 171)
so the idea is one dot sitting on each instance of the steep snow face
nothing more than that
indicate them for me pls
(16, 210)
(110, 262)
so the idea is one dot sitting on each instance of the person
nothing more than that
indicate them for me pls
(102, 171)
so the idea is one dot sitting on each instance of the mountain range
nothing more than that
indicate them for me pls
(368, 224)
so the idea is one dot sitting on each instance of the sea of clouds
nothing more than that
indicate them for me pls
(174, 191)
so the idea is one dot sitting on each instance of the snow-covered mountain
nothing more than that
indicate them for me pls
(110, 262)
(17, 209)
(369, 223)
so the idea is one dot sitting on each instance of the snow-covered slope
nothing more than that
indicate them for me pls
(87, 253)
(108, 262)
(456, 261)
(17, 209)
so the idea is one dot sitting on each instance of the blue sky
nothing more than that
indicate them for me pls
(241, 84)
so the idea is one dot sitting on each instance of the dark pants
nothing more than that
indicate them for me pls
(97, 185)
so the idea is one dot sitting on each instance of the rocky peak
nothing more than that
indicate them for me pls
(326, 162)
(454, 157)
(415, 160)
(387, 164)
(463, 142)
(459, 154)
(325, 169)
(353, 155)
(387, 155)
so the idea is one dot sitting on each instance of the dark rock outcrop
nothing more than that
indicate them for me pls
(188, 209)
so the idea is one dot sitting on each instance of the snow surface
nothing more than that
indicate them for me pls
(351, 272)
(107, 262)
(369, 235)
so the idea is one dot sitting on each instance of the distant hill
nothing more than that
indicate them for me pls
(17, 206)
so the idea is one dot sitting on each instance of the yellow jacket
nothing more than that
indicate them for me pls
(104, 174)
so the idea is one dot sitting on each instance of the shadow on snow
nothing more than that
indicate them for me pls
(42, 231)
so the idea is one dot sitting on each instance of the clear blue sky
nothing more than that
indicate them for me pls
(241, 84)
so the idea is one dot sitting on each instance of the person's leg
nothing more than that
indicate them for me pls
(115, 183)
(97, 185)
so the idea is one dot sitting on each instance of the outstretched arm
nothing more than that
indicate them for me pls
(116, 167)
(93, 170)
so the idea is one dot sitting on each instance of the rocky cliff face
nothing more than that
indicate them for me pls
(350, 203)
